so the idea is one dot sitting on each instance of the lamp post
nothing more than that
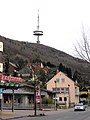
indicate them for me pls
(34, 97)
(12, 100)
(55, 95)
(69, 94)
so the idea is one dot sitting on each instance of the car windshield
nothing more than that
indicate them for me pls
(79, 104)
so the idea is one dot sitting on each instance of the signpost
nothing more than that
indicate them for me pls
(38, 97)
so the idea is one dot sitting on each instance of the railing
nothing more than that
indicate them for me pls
(29, 106)
(77, 93)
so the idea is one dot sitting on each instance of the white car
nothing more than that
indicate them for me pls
(79, 107)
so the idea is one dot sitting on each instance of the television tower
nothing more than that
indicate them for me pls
(38, 32)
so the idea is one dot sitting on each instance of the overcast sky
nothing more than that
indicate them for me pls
(60, 20)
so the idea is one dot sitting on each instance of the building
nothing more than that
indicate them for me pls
(24, 97)
(12, 67)
(67, 91)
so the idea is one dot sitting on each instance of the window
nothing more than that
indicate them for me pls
(58, 90)
(53, 89)
(76, 90)
(60, 98)
(67, 90)
(62, 90)
(65, 98)
(62, 80)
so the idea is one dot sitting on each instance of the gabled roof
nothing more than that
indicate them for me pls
(61, 73)
(10, 63)
(25, 70)
(38, 66)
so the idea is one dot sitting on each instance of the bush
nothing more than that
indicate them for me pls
(47, 100)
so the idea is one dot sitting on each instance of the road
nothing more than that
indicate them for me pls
(64, 115)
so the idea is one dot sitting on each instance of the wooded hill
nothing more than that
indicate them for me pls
(33, 52)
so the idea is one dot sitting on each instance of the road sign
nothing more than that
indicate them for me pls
(1, 91)
(38, 98)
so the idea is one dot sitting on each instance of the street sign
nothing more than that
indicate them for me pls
(1, 46)
(1, 67)
(1, 96)
(38, 98)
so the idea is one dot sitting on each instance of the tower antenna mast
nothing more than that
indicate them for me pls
(38, 32)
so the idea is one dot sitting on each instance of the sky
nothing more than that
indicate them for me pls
(60, 20)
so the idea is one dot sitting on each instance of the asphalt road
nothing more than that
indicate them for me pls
(64, 115)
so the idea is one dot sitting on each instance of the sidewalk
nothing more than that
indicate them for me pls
(8, 114)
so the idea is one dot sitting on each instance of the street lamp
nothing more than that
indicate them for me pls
(69, 94)
(55, 95)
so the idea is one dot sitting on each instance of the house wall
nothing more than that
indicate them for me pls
(11, 68)
(63, 82)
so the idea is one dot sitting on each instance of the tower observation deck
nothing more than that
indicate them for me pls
(38, 32)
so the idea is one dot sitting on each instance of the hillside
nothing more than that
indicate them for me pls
(34, 51)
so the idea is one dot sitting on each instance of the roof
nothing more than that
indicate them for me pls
(65, 76)
(45, 90)
(13, 64)
(19, 91)
(39, 66)
(23, 91)
(25, 70)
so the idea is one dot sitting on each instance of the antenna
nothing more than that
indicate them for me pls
(38, 21)
(38, 32)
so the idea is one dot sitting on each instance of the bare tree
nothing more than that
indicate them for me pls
(83, 47)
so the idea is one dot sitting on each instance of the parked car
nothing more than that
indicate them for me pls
(79, 107)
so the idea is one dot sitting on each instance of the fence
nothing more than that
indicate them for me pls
(29, 106)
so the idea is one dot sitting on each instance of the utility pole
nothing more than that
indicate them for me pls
(34, 79)
(55, 95)
(12, 100)
(35, 96)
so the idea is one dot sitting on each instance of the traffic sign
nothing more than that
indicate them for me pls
(1, 96)
(1, 91)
